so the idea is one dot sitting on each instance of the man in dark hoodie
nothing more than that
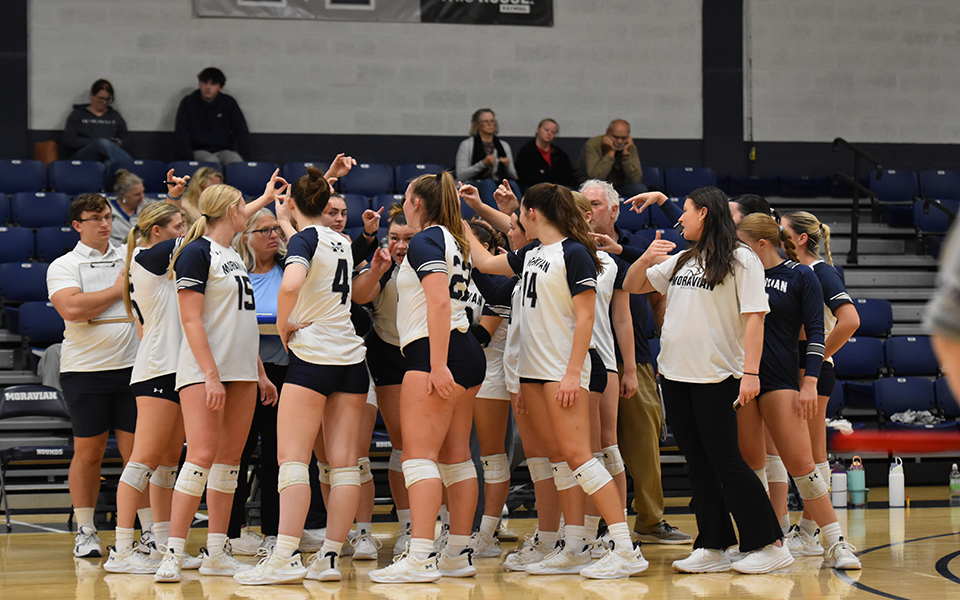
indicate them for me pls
(210, 125)
(95, 131)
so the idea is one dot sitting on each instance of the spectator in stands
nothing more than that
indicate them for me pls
(539, 161)
(96, 131)
(483, 158)
(210, 125)
(203, 178)
(127, 205)
(613, 157)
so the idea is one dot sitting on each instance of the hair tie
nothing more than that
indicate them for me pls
(439, 177)
(205, 216)
(781, 229)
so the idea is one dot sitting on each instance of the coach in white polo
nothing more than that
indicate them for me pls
(99, 348)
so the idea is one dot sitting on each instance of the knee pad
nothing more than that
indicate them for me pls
(613, 460)
(455, 473)
(165, 476)
(396, 460)
(762, 476)
(563, 476)
(223, 478)
(416, 470)
(345, 476)
(540, 468)
(192, 480)
(811, 485)
(823, 467)
(776, 472)
(592, 476)
(496, 468)
(365, 474)
(324, 473)
(136, 475)
(292, 473)
(598, 455)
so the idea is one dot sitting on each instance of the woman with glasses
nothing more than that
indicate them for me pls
(96, 131)
(483, 158)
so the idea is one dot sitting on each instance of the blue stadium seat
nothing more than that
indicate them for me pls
(753, 184)
(40, 209)
(356, 204)
(946, 401)
(295, 170)
(859, 358)
(940, 184)
(189, 167)
(653, 179)
(249, 177)
(4, 208)
(385, 201)
(836, 402)
(40, 323)
(22, 176)
(680, 181)
(930, 219)
(54, 242)
(23, 282)
(152, 172)
(631, 221)
(16, 244)
(76, 176)
(404, 174)
(368, 179)
(898, 394)
(896, 186)
(876, 317)
(649, 235)
(910, 355)
(804, 186)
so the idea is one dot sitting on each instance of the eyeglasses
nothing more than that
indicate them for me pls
(266, 231)
(105, 218)
(487, 121)
(107, 99)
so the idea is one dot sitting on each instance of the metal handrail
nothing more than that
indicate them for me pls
(858, 154)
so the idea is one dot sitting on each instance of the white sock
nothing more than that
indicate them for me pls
(286, 546)
(84, 518)
(785, 523)
(146, 518)
(444, 515)
(421, 548)
(808, 526)
(456, 544)
(330, 546)
(161, 532)
(403, 515)
(573, 537)
(216, 542)
(831, 533)
(363, 528)
(620, 533)
(176, 544)
(548, 538)
(591, 524)
(488, 526)
(124, 538)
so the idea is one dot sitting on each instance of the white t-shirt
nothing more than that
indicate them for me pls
(154, 297)
(91, 347)
(703, 329)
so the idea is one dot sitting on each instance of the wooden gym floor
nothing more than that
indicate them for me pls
(906, 553)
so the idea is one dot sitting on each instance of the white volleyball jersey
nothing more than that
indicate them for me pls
(608, 279)
(433, 250)
(324, 299)
(551, 276)
(229, 313)
(511, 347)
(385, 307)
(154, 298)
(475, 304)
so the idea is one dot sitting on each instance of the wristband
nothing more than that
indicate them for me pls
(754, 374)
(369, 235)
(169, 197)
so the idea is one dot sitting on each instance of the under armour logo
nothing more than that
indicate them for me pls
(578, 475)
(157, 391)
(814, 476)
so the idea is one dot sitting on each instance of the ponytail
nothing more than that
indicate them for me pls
(556, 203)
(441, 205)
(215, 201)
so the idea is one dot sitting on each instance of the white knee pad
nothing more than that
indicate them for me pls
(811, 485)
(762, 476)
(223, 478)
(324, 473)
(540, 468)
(136, 476)
(292, 473)
(365, 474)
(598, 455)
(613, 460)
(823, 467)
(165, 476)
(776, 472)
(496, 468)
(563, 476)
(345, 476)
(396, 460)
(416, 470)
(455, 473)
(592, 476)
(192, 480)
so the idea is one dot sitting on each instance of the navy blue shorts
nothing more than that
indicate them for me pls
(159, 387)
(827, 379)
(99, 401)
(771, 379)
(328, 379)
(465, 358)
(598, 373)
(385, 360)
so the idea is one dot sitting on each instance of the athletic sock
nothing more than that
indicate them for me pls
(286, 546)
(444, 515)
(620, 533)
(124, 538)
(363, 528)
(161, 532)
(403, 516)
(84, 518)
(421, 548)
(176, 544)
(808, 526)
(330, 546)
(548, 538)
(488, 526)
(591, 524)
(216, 542)
(573, 537)
(785, 523)
(831, 533)
(146, 518)
(456, 544)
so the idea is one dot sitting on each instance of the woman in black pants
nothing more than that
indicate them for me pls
(712, 339)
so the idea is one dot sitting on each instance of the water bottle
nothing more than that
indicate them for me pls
(838, 483)
(955, 486)
(856, 483)
(895, 483)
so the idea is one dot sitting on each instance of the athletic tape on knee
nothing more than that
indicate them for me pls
(223, 478)
(345, 476)
(563, 476)
(292, 473)
(324, 473)
(540, 468)
(136, 475)
(365, 474)
(165, 476)
(396, 461)
(416, 470)
(613, 460)
(811, 485)
(762, 476)
(455, 473)
(496, 468)
(592, 476)
(776, 472)
(192, 480)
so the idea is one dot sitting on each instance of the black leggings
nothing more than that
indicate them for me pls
(704, 424)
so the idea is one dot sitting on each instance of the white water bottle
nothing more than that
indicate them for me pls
(838, 483)
(895, 483)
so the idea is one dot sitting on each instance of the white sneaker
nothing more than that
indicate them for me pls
(86, 544)
(273, 569)
(734, 554)
(616, 564)
(598, 548)
(268, 544)
(562, 561)
(247, 544)
(504, 534)
(769, 558)
(441, 542)
(312, 540)
(221, 563)
(365, 547)
(324, 568)
(842, 556)
(802, 543)
(146, 538)
(408, 569)
(169, 569)
(130, 561)
(403, 538)
(703, 560)
(532, 551)
(457, 566)
(191, 563)
(483, 546)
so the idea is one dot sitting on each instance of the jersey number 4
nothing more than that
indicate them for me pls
(244, 294)
(341, 281)
(530, 288)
